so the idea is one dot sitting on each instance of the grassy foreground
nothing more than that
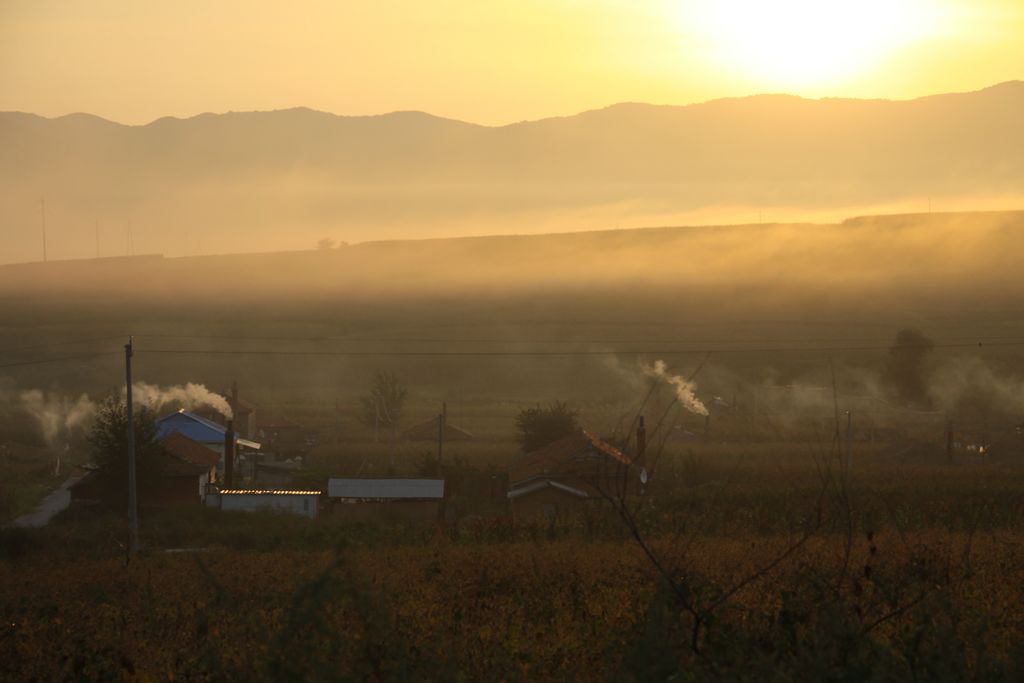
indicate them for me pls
(265, 597)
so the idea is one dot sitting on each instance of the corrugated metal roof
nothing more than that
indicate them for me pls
(385, 488)
(184, 448)
(427, 431)
(543, 484)
(580, 454)
(266, 492)
(197, 428)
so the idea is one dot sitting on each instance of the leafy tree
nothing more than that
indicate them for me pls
(906, 368)
(383, 407)
(541, 425)
(325, 244)
(109, 447)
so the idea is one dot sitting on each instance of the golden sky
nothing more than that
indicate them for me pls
(488, 61)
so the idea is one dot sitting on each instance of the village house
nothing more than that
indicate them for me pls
(185, 472)
(282, 437)
(243, 414)
(387, 499)
(574, 472)
(276, 473)
(211, 435)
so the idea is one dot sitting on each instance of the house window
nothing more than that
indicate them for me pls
(305, 504)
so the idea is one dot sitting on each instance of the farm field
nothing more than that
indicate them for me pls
(899, 570)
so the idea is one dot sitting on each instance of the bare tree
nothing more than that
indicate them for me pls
(382, 408)
(906, 368)
(540, 425)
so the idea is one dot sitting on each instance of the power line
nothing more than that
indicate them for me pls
(64, 342)
(575, 352)
(509, 353)
(693, 346)
(41, 361)
(972, 339)
(42, 214)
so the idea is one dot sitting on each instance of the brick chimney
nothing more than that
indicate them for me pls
(229, 455)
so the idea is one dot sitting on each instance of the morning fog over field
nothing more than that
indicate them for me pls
(524, 341)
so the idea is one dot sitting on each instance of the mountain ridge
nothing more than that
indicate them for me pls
(997, 87)
(284, 179)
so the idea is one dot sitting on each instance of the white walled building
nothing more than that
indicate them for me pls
(305, 503)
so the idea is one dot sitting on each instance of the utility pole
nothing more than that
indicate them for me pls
(133, 508)
(949, 440)
(376, 417)
(441, 420)
(849, 438)
(42, 214)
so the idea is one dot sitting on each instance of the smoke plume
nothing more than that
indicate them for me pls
(57, 416)
(970, 383)
(684, 389)
(189, 396)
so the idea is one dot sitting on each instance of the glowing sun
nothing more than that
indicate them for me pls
(804, 42)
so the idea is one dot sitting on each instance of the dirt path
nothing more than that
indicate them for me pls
(49, 506)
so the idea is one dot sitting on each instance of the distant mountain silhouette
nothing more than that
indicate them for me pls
(263, 180)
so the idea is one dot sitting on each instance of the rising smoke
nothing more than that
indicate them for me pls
(188, 396)
(683, 388)
(57, 416)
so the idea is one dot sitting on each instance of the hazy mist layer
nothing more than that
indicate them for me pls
(933, 262)
(246, 182)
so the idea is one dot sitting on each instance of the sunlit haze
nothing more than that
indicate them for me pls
(801, 44)
(488, 62)
(511, 340)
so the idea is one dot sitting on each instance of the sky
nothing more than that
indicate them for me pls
(488, 61)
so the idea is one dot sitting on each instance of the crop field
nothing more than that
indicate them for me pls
(896, 570)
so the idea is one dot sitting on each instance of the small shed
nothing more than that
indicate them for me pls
(575, 470)
(386, 499)
(282, 436)
(305, 503)
(276, 473)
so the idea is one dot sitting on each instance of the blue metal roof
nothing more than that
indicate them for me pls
(197, 428)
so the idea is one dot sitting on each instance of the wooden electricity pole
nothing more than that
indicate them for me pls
(442, 419)
(949, 440)
(42, 215)
(849, 438)
(133, 511)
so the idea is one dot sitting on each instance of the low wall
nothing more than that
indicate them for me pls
(292, 503)
(389, 511)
